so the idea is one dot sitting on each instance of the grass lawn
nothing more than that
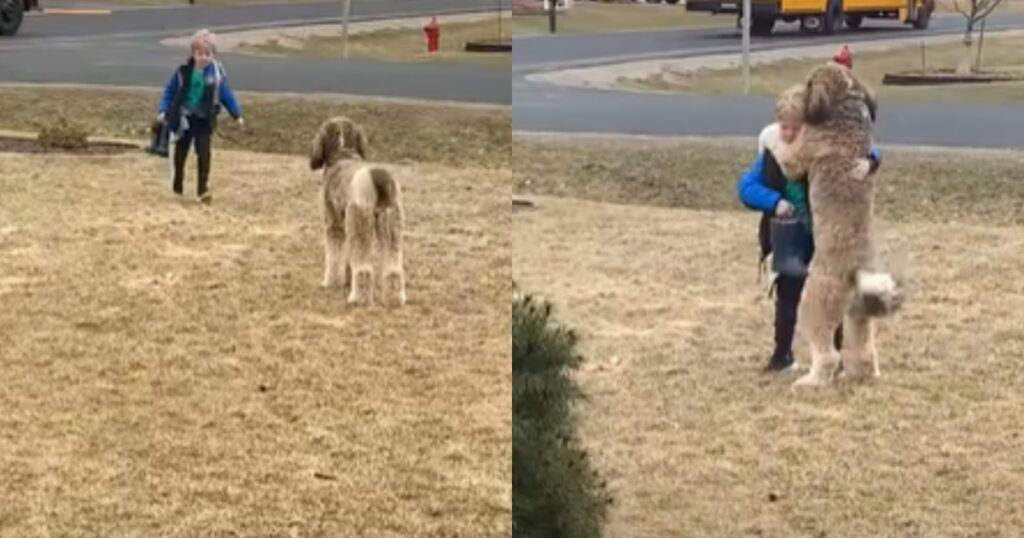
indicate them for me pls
(460, 135)
(398, 44)
(175, 369)
(594, 17)
(770, 79)
(949, 6)
(647, 254)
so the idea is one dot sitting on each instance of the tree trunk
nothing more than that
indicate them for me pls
(981, 43)
(966, 65)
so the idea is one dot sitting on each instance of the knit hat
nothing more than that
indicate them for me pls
(843, 57)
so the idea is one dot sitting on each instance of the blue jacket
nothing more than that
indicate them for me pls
(754, 191)
(213, 70)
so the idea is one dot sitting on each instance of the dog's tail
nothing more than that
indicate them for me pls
(878, 294)
(376, 188)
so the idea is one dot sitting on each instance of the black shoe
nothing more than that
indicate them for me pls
(780, 364)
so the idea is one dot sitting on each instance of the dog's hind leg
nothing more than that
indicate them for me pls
(334, 255)
(359, 224)
(821, 311)
(859, 354)
(390, 222)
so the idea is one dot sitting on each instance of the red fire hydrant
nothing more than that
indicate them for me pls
(843, 57)
(433, 32)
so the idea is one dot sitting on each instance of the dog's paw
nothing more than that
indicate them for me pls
(880, 294)
(857, 371)
(861, 169)
(394, 285)
(811, 380)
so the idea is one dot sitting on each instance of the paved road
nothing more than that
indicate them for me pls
(123, 49)
(532, 53)
(182, 18)
(540, 106)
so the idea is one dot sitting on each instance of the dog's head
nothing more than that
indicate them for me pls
(828, 86)
(337, 139)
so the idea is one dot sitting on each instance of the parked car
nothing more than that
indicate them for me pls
(12, 12)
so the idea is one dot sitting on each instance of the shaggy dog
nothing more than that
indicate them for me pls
(843, 280)
(363, 213)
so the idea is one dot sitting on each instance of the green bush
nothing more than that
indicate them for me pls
(555, 494)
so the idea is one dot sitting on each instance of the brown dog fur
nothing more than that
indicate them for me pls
(841, 281)
(363, 214)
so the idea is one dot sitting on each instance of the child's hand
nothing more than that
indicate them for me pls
(783, 209)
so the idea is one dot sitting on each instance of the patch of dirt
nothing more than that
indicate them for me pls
(20, 145)
(950, 76)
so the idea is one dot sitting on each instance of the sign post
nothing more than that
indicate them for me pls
(347, 8)
(746, 46)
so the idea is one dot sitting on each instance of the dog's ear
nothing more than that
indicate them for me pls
(325, 144)
(316, 156)
(817, 99)
(362, 147)
(869, 96)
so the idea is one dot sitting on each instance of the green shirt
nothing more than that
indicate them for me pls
(194, 92)
(795, 194)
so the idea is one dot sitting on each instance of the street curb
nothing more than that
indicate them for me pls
(670, 139)
(289, 95)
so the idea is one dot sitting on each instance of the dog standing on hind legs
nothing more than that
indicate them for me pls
(363, 214)
(843, 283)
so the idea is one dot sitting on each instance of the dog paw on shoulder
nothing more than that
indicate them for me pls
(861, 169)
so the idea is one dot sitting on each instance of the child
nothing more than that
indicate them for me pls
(765, 188)
(190, 105)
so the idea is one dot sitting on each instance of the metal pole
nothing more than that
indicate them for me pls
(344, 27)
(551, 15)
(746, 47)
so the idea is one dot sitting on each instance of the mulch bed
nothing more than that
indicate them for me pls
(489, 46)
(21, 145)
(947, 77)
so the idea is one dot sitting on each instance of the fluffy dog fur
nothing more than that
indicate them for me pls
(363, 214)
(842, 278)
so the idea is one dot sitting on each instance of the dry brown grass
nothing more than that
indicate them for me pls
(949, 6)
(400, 44)
(695, 441)
(1000, 54)
(173, 369)
(459, 135)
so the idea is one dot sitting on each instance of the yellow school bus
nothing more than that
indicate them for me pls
(821, 16)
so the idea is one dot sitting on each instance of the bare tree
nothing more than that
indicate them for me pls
(975, 11)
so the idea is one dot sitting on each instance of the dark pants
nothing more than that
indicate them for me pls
(200, 132)
(787, 302)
